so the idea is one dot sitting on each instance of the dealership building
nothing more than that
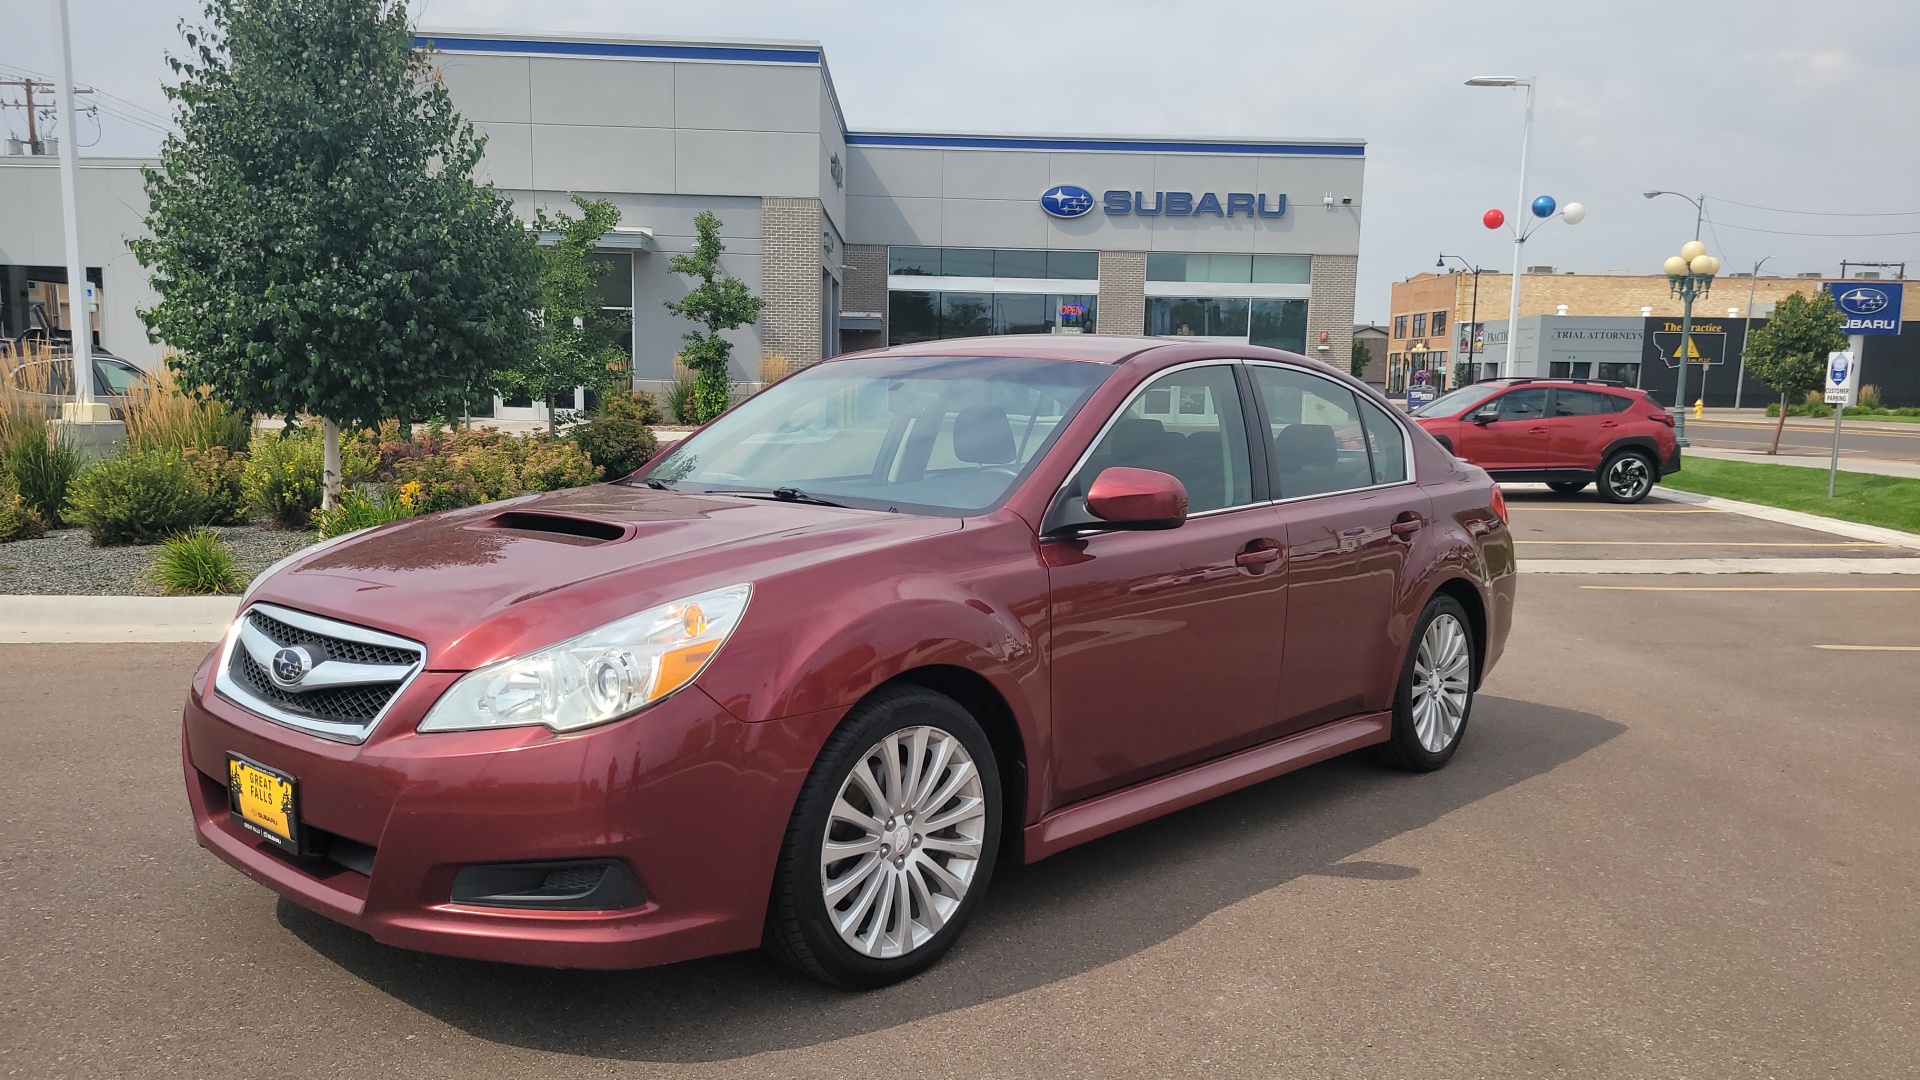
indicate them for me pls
(854, 238)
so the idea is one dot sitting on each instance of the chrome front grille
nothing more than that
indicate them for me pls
(329, 678)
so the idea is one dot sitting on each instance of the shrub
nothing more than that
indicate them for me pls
(161, 417)
(468, 468)
(17, 519)
(40, 465)
(359, 509)
(196, 563)
(680, 399)
(223, 474)
(139, 497)
(1869, 397)
(285, 473)
(619, 438)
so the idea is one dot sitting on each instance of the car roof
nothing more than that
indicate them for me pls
(1084, 348)
(1570, 384)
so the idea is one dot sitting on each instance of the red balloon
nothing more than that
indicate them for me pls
(1493, 219)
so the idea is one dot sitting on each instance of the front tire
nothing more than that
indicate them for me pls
(1626, 477)
(891, 843)
(1435, 695)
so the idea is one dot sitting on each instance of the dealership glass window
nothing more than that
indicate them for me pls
(1439, 323)
(1196, 316)
(928, 316)
(993, 262)
(1238, 269)
(1279, 324)
(1399, 326)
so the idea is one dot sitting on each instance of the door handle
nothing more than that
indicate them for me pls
(1257, 557)
(1541, 430)
(1407, 524)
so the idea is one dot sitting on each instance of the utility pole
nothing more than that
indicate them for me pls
(1740, 380)
(27, 87)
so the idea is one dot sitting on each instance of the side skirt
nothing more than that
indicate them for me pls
(1109, 813)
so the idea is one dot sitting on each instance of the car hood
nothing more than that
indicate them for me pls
(487, 582)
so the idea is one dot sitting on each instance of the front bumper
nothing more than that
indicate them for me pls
(694, 801)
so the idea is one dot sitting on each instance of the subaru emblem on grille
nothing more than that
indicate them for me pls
(290, 666)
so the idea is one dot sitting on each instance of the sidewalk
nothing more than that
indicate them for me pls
(1759, 418)
(1878, 466)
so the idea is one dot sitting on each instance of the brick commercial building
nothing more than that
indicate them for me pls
(1433, 320)
(855, 239)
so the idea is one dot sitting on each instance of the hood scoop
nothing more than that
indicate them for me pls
(560, 528)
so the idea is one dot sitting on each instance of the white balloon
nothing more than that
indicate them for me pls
(1574, 213)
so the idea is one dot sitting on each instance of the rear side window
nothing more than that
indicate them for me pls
(1387, 443)
(1587, 403)
(1524, 405)
(1319, 442)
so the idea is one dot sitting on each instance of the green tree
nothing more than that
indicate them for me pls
(1789, 353)
(316, 238)
(719, 302)
(1362, 356)
(576, 346)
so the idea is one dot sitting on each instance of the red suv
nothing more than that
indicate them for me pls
(1566, 433)
(803, 680)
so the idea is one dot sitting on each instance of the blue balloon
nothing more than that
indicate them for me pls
(1543, 206)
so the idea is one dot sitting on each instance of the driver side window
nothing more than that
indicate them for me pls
(1187, 423)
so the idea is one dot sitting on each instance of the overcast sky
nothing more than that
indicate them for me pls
(1786, 105)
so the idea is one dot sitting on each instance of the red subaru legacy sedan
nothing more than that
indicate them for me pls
(803, 681)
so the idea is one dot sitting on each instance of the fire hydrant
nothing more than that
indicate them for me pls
(1699, 408)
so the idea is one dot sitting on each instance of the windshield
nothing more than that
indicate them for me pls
(930, 434)
(1457, 400)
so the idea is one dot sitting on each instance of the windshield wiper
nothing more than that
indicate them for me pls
(659, 485)
(781, 494)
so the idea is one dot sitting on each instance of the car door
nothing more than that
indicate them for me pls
(1344, 489)
(1165, 646)
(1517, 437)
(1583, 423)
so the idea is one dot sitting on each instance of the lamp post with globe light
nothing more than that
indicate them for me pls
(1689, 277)
(1473, 318)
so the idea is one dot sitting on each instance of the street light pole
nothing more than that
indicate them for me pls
(1739, 380)
(1520, 209)
(1690, 277)
(1473, 319)
(79, 312)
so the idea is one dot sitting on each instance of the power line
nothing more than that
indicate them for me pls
(1819, 213)
(1790, 232)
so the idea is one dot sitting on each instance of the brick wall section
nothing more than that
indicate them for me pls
(790, 279)
(864, 288)
(1584, 294)
(1123, 293)
(1330, 308)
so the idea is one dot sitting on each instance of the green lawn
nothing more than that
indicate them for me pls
(1889, 501)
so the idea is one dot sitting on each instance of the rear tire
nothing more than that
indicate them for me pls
(1568, 487)
(1435, 696)
(891, 844)
(1627, 477)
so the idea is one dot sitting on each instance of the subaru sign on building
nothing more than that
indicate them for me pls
(1867, 307)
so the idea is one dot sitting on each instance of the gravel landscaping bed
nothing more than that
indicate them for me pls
(65, 563)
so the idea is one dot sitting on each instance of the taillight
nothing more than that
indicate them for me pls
(1500, 505)
(1663, 416)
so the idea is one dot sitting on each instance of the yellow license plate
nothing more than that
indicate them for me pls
(263, 802)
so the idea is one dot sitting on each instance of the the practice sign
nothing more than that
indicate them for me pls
(1868, 307)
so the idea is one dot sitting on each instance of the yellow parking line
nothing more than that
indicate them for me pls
(1870, 648)
(1753, 588)
(1702, 543)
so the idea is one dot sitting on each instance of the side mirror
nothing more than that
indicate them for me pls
(1125, 498)
(1486, 414)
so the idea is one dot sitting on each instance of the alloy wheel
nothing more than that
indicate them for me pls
(903, 841)
(1442, 681)
(1629, 478)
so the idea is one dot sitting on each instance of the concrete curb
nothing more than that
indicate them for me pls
(1831, 526)
(101, 619)
(1720, 566)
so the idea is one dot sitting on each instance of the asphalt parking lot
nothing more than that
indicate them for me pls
(1679, 841)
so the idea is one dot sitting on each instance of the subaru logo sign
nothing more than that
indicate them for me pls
(1067, 201)
(290, 666)
(1863, 301)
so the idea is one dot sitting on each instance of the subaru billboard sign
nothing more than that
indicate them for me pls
(1071, 201)
(1867, 307)
(1067, 201)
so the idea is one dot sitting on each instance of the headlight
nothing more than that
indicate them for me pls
(601, 675)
